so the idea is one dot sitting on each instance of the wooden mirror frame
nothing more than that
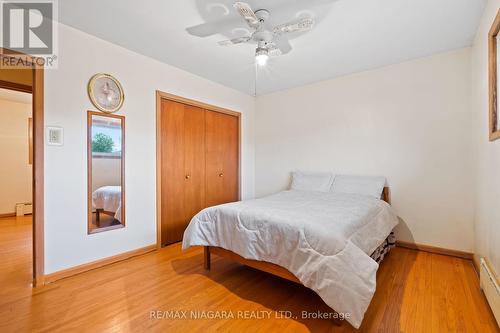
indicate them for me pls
(494, 130)
(90, 228)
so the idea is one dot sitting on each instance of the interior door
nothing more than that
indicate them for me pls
(222, 145)
(182, 167)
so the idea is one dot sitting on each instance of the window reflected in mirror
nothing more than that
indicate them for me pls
(106, 150)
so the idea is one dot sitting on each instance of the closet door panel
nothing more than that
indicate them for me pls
(230, 160)
(199, 164)
(194, 161)
(172, 165)
(221, 158)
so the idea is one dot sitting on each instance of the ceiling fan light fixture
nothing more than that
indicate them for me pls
(261, 56)
(271, 42)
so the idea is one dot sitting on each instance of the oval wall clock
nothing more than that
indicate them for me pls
(105, 92)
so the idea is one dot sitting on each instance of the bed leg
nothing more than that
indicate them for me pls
(206, 257)
(97, 218)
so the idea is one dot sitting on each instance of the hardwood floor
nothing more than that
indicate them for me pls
(416, 292)
(16, 265)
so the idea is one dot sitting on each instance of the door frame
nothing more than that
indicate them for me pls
(37, 98)
(160, 95)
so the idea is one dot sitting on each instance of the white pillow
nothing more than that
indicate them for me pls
(304, 181)
(372, 186)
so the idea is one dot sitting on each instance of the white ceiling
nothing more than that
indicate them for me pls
(15, 96)
(350, 35)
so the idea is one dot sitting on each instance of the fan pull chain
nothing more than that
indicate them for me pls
(255, 81)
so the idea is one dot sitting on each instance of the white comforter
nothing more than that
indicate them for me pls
(108, 198)
(324, 239)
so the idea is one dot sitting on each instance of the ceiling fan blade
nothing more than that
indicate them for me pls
(247, 13)
(283, 44)
(273, 51)
(234, 41)
(294, 26)
(212, 28)
(276, 6)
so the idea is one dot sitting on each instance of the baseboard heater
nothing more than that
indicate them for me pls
(489, 284)
(24, 208)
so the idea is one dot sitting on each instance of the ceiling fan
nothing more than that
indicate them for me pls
(271, 41)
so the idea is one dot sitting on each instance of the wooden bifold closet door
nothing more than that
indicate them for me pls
(199, 164)
(221, 158)
(183, 166)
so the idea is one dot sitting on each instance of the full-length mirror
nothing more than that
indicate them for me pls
(106, 172)
(494, 76)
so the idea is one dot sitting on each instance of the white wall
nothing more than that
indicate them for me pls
(80, 56)
(409, 122)
(15, 170)
(486, 154)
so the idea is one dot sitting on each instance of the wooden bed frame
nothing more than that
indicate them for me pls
(264, 265)
(98, 213)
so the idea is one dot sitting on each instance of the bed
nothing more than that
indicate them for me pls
(107, 200)
(322, 240)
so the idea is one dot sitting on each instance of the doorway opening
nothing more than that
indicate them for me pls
(16, 179)
(21, 173)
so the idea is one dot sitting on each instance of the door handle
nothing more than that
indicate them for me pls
(221, 174)
(188, 176)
